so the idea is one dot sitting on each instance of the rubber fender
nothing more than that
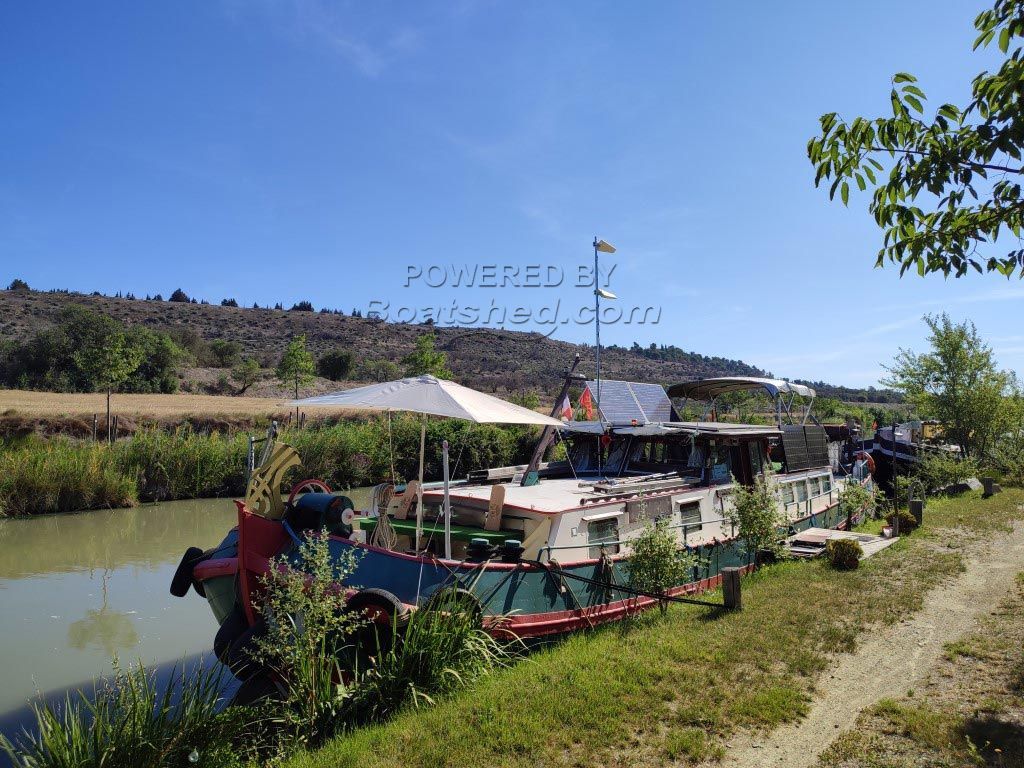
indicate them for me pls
(376, 604)
(234, 625)
(182, 579)
(239, 657)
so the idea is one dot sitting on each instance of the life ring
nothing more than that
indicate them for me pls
(867, 458)
(309, 484)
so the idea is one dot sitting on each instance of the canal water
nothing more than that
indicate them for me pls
(78, 590)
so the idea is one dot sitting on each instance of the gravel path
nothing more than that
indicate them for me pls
(891, 661)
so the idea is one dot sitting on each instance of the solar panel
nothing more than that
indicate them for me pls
(653, 401)
(623, 402)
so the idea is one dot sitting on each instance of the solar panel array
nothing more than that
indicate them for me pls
(805, 447)
(623, 402)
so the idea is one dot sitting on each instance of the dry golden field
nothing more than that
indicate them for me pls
(53, 404)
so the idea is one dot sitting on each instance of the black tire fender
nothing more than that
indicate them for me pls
(182, 579)
(240, 657)
(376, 604)
(233, 626)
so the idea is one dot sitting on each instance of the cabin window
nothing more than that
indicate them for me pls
(815, 484)
(801, 490)
(756, 460)
(720, 470)
(787, 493)
(601, 532)
(689, 516)
(826, 484)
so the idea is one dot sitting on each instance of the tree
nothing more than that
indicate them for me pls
(756, 514)
(111, 364)
(301, 306)
(426, 359)
(245, 373)
(179, 296)
(228, 303)
(954, 178)
(379, 370)
(296, 366)
(956, 382)
(336, 365)
(226, 353)
(18, 284)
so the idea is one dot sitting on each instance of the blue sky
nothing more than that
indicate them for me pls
(287, 150)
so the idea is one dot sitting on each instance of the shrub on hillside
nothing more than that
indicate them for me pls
(843, 554)
(179, 296)
(336, 365)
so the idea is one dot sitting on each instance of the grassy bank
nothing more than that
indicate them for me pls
(39, 476)
(675, 688)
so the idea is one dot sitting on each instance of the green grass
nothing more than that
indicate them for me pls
(642, 690)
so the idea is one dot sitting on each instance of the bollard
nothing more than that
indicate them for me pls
(732, 597)
(989, 484)
(917, 510)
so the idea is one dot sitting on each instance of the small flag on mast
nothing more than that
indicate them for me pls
(566, 409)
(587, 403)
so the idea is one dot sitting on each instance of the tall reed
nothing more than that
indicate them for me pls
(131, 723)
(48, 476)
(39, 476)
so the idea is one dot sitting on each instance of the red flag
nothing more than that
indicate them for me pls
(566, 409)
(587, 404)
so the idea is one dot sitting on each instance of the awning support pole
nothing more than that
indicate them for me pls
(419, 487)
(447, 504)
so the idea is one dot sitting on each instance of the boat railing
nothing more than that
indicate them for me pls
(685, 527)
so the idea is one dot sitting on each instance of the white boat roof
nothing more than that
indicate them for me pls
(550, 496)
(709, 389)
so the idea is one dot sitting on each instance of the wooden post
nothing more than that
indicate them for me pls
(732, 597)
(113, 435)
(917, 510)
(988, 483)
(548, 433)
(95, 426)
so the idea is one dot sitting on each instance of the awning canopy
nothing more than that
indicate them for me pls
(434, 397)
(709, 389)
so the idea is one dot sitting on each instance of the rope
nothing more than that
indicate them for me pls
(628, 590)
(383, 535)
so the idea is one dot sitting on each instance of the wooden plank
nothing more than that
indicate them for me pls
(492, 521)
(407, 500)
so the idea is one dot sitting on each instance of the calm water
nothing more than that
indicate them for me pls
(78, 590)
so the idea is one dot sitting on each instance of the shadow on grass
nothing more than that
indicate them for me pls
(999, 743)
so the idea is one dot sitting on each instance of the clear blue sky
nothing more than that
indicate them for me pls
(279, 151)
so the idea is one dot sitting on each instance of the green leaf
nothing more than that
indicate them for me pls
(844, 192)
(860, 182)
(870, 174)
(1004, 39)
(903, 77)
(913, 102)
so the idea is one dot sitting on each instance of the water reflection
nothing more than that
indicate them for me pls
(76, 590)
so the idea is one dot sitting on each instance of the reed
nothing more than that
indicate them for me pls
(130, 722)
(40, 476)
(441, 649)
(48, 476)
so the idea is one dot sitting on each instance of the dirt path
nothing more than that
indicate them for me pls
(889, 662)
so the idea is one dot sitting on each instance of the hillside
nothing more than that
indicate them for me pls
(493, 360)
